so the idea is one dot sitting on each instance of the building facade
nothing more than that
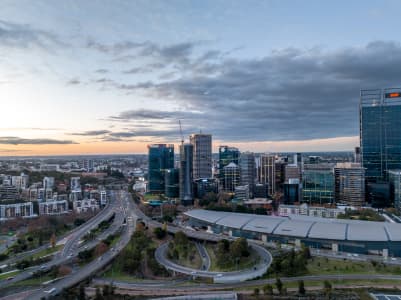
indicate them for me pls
(267, 172)
(380, 132)
(202, 156)
(231, 177)
(247, 167)
(227, 155)
(172, 183)
(349, 184)
(204, 186)
(186, 174)
(395, 188)
(318, 184)
(16, 210)
(160, 159)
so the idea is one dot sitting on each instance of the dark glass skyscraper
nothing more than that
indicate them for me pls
(380, 132)
(161, 158)
(186, 174)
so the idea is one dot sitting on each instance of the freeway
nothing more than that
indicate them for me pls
(71, 247)
(234, 276)
(89, 223)
(171, 288)
(99, 263)
(204, 255)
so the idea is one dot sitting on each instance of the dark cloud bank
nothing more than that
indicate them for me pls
(290, 94)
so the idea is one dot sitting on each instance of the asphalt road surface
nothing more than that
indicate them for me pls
(234, 276)
(99, 263)
(71, 248)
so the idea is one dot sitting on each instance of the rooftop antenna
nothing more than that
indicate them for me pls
(182, 136)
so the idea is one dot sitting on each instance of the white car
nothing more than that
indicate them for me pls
(51, 291)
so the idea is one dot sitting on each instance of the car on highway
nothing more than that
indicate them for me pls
(52, 290)
(219, 275)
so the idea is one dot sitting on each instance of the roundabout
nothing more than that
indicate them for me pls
(256, 271)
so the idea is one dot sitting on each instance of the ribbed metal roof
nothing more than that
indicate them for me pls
(303, 226)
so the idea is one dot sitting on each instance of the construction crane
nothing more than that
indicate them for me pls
(182, 136)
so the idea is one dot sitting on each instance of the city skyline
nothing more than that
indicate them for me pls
(107, 78)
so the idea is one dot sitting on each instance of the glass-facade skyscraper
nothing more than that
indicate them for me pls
(380, 132)
(186, 174)
(318, 183)
(227, 155)
(161, 158)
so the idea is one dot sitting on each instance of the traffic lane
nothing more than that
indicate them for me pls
(240, 275)
(92, 267)
(204, 255)
(60, 259)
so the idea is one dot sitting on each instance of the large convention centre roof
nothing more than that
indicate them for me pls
(302, 226)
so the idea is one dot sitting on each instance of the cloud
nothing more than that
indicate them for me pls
(12, 140)
(91, 133)
(181, 56)
(122, 134)
(149, 114)
(23, 36)
(290, 94)
(74, 81)
(102, 71)
(2, 150)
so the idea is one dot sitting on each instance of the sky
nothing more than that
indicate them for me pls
(110, 77)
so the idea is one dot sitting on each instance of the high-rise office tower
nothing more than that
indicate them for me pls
(161, 158)
(172, 183)
(380, 132)
(247, 167)
(279, 174)
(349, 184)
(357, 155)
(202, 157)
(267, 172)
(292, 171)
(395, 188)
(231, 177)
(186, 174)
(227, 155)
(318, 183)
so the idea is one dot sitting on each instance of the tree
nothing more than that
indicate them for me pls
(78, 221)
(98, 295)
(81, 295)
(256, 292)
(268, 289)
(159, 233)
(180, 238)
(239, 248)
(301, 287)
(327, 286)
(63, 270)
(101, 248)
(279, 285)
(53, 240)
